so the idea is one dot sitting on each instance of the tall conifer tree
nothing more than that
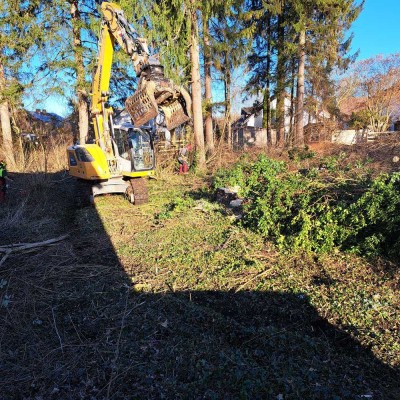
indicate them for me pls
(307, 34)
(231, 39)
(21, 32)
(174, 32)
(209, 134)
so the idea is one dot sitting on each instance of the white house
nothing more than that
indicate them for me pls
(248, 130)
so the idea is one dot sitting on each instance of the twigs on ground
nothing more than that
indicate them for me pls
(114, 363)
(258, 276)
(56, 329)
(27, 247)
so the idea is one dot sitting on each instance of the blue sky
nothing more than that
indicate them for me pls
(376, 31)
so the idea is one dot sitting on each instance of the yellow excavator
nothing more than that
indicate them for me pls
(115, 164)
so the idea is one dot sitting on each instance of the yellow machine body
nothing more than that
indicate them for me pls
(88, 162)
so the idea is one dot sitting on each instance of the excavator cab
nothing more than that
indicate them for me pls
(142, 151)
(134, 148)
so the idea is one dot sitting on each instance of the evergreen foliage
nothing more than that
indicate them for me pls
(230, 42)
(44, 43)
(274, 63)
(165, 25)
(22, 34)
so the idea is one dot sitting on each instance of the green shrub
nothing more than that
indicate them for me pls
(316, 212)
(375, 216)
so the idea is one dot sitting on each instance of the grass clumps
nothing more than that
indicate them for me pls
(319, 209)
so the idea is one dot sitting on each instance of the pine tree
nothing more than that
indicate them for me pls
(283, 38)
(21, 32)
(69, 55)
(305, 40)
(269, 60)
(230, 43)
(321, 27)
(173, 29)
(196, 83)
(77, 24)
(260, 58)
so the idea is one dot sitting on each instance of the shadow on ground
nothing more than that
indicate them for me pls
(73, 327)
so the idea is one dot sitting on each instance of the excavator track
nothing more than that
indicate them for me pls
(140, 191)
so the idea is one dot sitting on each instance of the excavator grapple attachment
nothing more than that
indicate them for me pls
(174, 115)
(159, 95)
(142, 106)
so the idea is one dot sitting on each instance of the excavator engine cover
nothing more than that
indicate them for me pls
(159, 94)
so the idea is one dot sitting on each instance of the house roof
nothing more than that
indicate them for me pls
(46, 117)
(251, 110)
(245, 115)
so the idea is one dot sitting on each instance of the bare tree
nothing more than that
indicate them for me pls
(375, 83)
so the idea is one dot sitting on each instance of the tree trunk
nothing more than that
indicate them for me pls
(292, 105)
(80, 74)
(228, 104)
(208, 90)
(267, 91)
(309, 111)
(280, 83)
(83, 118)
(196, 90)
(6, 123)
(267, 114)
(299, 137)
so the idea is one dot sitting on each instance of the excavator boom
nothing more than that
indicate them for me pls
(155, 93)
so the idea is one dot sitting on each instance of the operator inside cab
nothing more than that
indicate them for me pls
(141, 147)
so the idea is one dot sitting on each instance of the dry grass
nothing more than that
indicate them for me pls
(48, 156)
(378, 154)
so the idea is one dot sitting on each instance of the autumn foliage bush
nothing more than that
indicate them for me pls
(320, 209)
